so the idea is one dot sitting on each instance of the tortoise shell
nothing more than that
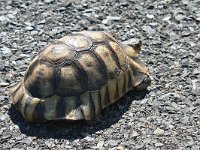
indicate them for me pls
(77, 76)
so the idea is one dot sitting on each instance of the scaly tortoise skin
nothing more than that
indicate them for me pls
(77, 76)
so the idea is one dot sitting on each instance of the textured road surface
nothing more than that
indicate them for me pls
(167, 116)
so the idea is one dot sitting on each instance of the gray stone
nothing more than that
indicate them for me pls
(159, 144)
(190, 143)
(16, 149)
(139, 146)
(115, 18)
(158, 132)
(3, 84)
(175, 106)
(3, 117)
(149, 30)
(4, 19)
(131, 41)
(185, 62)
(179, 17)
(185, 119)
(42, 21)
(100, 144)
(150, 16)
(194, 84)
(105, 21)
(5, 50)
(196, 71)
(167, 19)
(89, 138)
(28, 24)
(165, 97)
(154, 24)
(48, 1)
(185, 2)
(49, 144)
(197, 18)
(24, 55)
(112, 143)
(134, 134)
(195, 147)
(29, 28)
(197, 57)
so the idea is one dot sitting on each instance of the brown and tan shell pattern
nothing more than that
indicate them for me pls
(77, 76)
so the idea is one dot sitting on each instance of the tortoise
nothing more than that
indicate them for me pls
(77, 76)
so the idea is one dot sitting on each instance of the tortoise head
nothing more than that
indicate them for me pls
(139, 71)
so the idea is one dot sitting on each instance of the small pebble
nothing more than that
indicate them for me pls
(3, 117)
(159, 144)
(197, 57)
(134, 134)
(116, 18)
(150, 16)
(158, 132)
(48, 1)
(112, 143)
(100, 144)
(179, 17)
(89, 138)
(5, 50)
(3, 84)
(164, 97)
(149, 30)
(29, 28)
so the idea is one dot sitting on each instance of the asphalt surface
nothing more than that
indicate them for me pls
(166, 116)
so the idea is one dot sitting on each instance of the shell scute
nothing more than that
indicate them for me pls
(96, 77)
(57, 53)
(39, 80)
(108, 60)
(120, 54)
(77, 42)
(70, 82)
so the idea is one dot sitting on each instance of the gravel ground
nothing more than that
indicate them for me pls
(167, 116)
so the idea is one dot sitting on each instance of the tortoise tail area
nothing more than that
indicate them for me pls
(53, 108)
(25, 103)
(85, 106)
